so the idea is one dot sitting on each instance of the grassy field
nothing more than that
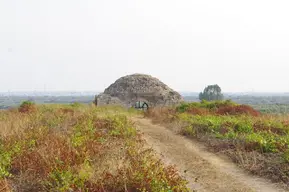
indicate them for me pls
(257, 142)
(78, 148)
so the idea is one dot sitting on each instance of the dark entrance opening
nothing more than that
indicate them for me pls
(141, 105)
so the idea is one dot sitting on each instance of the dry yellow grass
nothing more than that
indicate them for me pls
(78, 148)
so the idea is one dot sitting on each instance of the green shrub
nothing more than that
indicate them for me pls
(243, 127)
(27, 107)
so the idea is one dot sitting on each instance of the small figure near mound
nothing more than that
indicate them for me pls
(131, 89)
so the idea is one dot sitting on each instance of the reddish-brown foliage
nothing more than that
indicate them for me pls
(41, 160)
(237, 110)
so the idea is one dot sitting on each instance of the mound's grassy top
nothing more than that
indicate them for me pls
(257, 142)
(77, 148)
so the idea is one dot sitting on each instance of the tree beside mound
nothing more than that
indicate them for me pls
(128, 90)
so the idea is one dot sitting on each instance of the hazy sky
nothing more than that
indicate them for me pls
(188, 44)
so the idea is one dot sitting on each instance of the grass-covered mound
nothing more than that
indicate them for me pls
(78, 148)
(257, 142)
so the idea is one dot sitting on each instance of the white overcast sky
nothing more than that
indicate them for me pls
(188, 44)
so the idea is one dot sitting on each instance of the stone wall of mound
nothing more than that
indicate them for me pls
(129, 89)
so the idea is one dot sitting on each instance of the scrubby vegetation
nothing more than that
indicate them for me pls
(78, 148)
(257, 142)
(27, 107)
(217, 108)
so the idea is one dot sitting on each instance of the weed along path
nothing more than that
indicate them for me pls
(205, 171)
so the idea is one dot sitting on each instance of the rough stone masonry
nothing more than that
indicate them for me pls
(128, 90)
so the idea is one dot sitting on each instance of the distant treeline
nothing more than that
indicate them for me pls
(12, 101)
(265, 104)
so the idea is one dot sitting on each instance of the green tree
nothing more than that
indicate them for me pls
(211, 92)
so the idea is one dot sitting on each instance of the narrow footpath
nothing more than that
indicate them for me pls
(205, 171)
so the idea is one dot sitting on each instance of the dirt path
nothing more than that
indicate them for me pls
(212, 173)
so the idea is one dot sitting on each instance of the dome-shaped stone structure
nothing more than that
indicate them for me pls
(130, 89)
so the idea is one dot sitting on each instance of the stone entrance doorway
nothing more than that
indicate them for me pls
(141, 105)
